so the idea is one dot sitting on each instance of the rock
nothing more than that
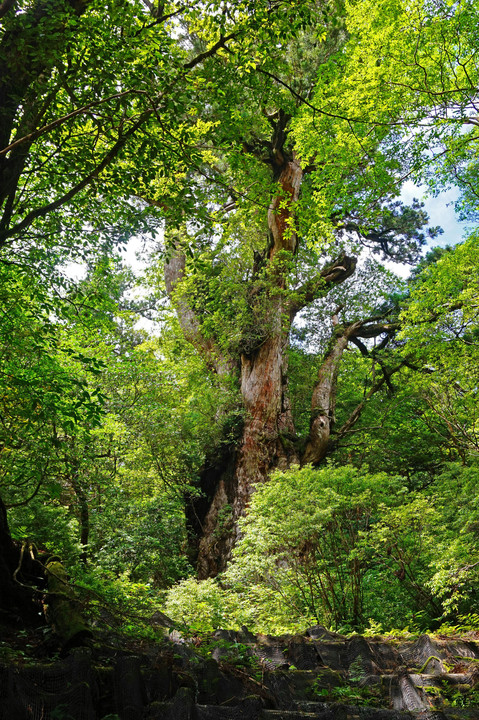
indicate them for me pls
(159, 618)
(318, 632)
(299, 677)
(130, 694)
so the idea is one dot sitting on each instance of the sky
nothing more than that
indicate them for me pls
(441, 212)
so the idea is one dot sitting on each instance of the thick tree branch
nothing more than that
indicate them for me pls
(324, 392)
(174, 272)
(375, 329)
(85, 182)
(6, 6)
(333, 274)
(38, 54)
(209, 53)
(30, 137)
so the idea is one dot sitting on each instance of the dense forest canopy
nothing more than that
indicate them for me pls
(303, 422)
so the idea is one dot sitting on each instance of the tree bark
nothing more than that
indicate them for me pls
(83, 512)
(268, 426)
(18, 568)
(28, 50)
(174, 271)
(63, 609)
(23, 579)
(266, 443)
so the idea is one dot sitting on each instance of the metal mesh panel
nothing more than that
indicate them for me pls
(58, 692)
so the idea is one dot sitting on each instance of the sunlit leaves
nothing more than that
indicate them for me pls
(440, 327)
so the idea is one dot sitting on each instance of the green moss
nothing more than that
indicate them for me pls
(63, 607)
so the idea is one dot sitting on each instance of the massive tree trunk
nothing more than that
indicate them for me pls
(268, 424)
(266, 443)
(268, 438)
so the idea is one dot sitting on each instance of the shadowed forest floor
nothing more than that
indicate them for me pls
(239, 675)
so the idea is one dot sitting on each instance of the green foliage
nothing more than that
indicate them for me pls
(404, 66)
(351, 695)
(51, 525)
(148, 545)
(394, 433)
(117, 602)
(328, 543)
(456, 568)
(49, 392)
(117, 120)
(203, 606)
(303, 539)
(101, 87)
(440, 327)
(427, 415)
(87, 463)
(465, 624)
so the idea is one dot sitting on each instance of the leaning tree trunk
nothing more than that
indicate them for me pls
(8, 563)
(323, 402)
(18, 566)
(28, 584)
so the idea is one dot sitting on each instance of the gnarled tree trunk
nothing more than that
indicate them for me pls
(268, 439)
(264, 445)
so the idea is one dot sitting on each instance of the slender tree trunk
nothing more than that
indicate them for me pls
(323, 403)
(8, 561)
(83, 512)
